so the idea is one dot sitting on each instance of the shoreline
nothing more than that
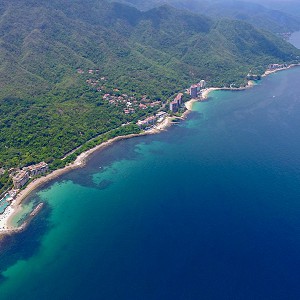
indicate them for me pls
(250, 84)
(268, 72)
(205, 94)
(6, 226)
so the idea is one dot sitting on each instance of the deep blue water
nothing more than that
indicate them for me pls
(209, 209)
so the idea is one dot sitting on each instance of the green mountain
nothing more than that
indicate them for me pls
(48, 107)
(280, 20)
(291, 7)
(256, 14)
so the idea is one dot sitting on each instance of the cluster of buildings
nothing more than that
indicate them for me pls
(255, 77)
(148, 121)
(38, 169)
(129, 110)
(196, 88)
(96, 83)
(277, 66)
(176, 103)
(90, 71)
(193, 91)
(159, 117)
(132, 106)
(130, 103)
(21, 177)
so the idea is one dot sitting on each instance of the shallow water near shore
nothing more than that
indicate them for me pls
(209, 209)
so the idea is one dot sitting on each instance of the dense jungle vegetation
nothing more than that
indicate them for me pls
(47, 108)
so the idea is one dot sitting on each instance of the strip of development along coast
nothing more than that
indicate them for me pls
(32, 177)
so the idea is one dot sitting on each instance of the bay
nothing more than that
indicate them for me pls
(206, 210)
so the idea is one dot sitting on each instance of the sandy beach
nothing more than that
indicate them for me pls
(4, 226)
(189, 104)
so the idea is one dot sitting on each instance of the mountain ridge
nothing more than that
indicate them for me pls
(276, 20)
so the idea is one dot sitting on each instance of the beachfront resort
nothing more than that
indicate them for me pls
(20, 178)
(195, 93)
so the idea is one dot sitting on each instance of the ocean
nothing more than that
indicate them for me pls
(209, 209)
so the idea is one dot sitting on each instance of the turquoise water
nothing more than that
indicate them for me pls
(209, 209)
(3, 204)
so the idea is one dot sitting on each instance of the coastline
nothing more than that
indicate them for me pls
(205, 94)
(250, 84)
(6, 226)
(268, 72)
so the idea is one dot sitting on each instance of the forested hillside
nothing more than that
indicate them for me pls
(51, 103)
(291, 7)
(277, 16)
